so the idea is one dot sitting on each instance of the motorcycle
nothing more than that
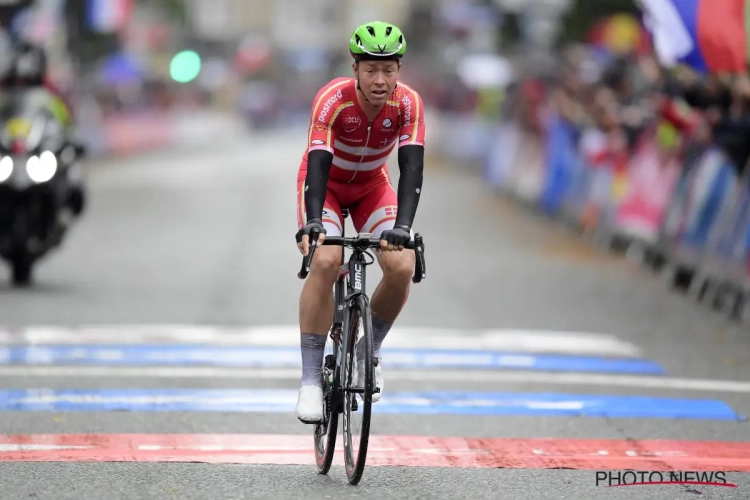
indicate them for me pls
(38, 201)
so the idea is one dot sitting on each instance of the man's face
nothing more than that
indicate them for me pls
(377, 79)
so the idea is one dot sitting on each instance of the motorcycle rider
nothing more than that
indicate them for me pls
(28, 71)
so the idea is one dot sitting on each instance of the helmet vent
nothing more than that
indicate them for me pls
(388, 30)
(371, 30)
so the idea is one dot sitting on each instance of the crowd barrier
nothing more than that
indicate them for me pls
(687, 212)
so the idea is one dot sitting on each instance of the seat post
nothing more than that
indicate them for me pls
(345, 213)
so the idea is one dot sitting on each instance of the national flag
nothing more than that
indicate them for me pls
(109, 16)
(708, 35)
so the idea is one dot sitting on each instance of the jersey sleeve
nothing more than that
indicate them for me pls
(412, 118)
(323, 118)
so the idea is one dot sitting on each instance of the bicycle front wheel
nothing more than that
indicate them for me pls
(358, 390)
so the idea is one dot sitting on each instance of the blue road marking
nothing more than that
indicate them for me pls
(289, 357)
(284, 400)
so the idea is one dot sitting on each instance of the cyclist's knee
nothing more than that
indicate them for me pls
(326, 264)
(398, 265)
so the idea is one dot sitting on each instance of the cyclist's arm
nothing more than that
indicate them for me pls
(319, 160)
(318, 166)
(410, 157)
(411, 167)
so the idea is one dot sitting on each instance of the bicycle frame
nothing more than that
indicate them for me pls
(351, 282)
(353, 274)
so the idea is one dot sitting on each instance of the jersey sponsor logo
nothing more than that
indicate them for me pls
(349, 139)
(320, 127)
(404, 137)
(387, 123)
(329, 104)
(318, 142)
(352, 123)
(407, 110)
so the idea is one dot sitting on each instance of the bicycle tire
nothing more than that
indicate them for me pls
(325, 444)
(354, 460)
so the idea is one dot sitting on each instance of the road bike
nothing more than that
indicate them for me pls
(352, 321)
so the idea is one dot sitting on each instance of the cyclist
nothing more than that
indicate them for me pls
(355, 125)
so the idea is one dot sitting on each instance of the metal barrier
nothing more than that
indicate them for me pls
(692, 210)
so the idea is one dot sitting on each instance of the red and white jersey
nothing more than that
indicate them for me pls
(339, 125)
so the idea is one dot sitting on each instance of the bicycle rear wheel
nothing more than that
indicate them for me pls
(357, 434)
(325, 432)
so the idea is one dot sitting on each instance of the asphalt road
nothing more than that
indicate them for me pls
(199, 237)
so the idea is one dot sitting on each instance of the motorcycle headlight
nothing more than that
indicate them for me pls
(6, 168)
(43, 167)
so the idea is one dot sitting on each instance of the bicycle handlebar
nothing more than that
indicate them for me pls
(362, 242)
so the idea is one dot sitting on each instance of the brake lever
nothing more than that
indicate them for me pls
(420, 271)
(307, 259)
(305, 270)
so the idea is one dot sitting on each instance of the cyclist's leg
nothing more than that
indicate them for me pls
(375, 213)
(316, 303)
(316, 306)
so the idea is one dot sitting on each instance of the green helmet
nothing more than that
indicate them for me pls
(377, 40)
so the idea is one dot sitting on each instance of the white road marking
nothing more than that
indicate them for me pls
(508, 340)
(469, 376)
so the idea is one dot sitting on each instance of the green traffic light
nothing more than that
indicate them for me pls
(185, 66)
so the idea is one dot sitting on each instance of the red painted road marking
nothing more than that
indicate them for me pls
(415, 451)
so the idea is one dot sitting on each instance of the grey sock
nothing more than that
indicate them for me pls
(313, 350)
(380, 329)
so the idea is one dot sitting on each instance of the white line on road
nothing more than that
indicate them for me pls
(510, 340)
(208, 372)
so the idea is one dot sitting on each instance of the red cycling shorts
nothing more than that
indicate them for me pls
(372, 203)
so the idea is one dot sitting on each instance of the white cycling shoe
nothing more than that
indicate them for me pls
(310, 404)
(378, 375)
